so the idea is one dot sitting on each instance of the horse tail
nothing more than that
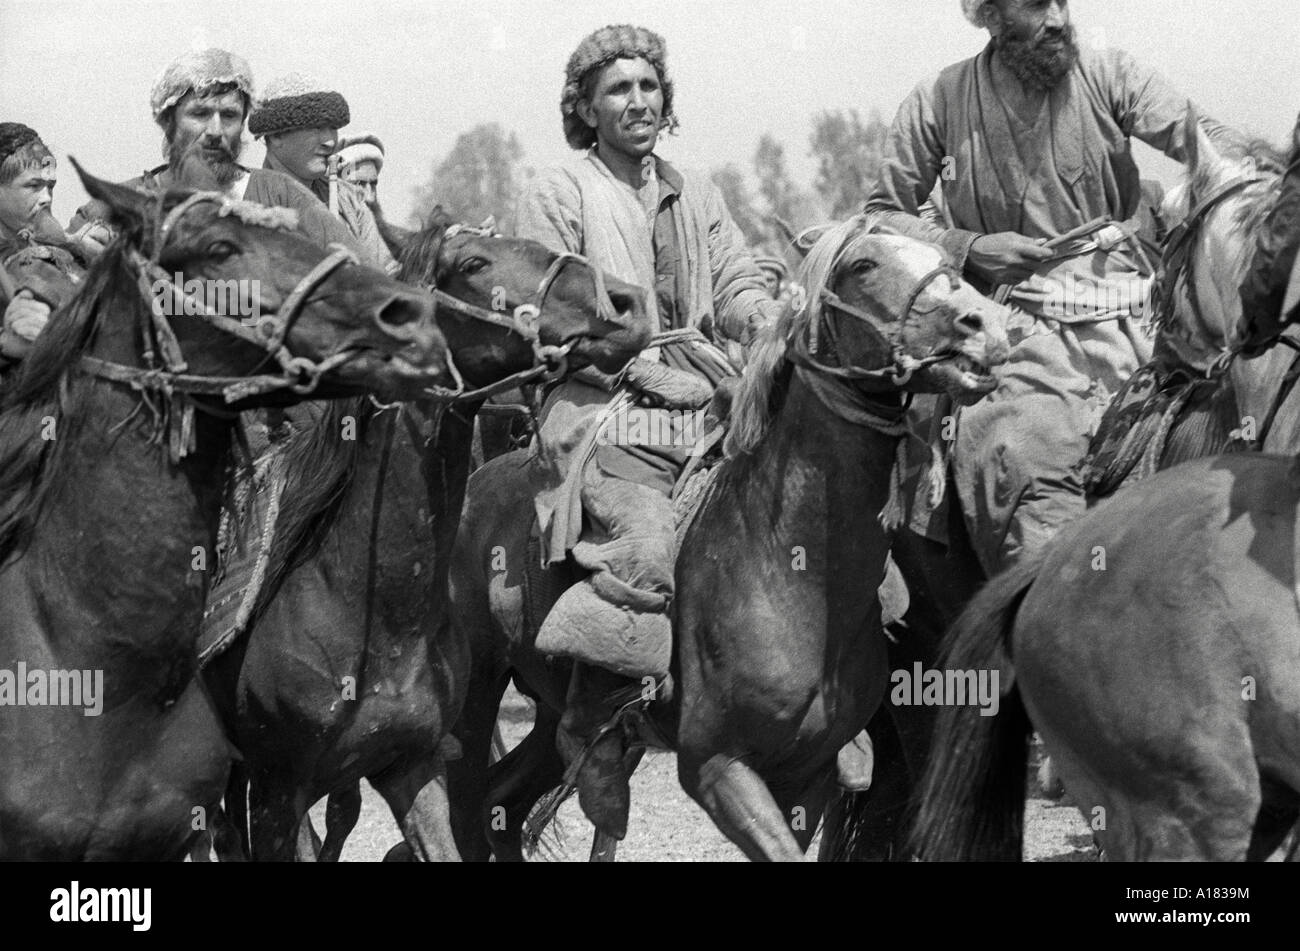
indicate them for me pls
(973, 792)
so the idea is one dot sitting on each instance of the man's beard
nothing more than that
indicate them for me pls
(203, 161)
(1036, 66)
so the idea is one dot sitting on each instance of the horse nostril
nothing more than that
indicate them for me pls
(401, 311)
(624, 303)
(970, 324)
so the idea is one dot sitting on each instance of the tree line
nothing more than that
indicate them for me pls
(484, 172)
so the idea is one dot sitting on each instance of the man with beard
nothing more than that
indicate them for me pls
(42, 265)
(201, 101)
(300, 120)
(1031, 140)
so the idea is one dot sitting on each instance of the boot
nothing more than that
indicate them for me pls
(856, 763)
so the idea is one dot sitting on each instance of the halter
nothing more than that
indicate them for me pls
(165, 370)
(902, 365)
(549, 362)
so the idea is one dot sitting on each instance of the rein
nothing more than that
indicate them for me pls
(166, 369)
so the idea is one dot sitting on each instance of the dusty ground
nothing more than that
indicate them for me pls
(666, 826)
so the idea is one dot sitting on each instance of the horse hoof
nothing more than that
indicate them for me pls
(401, 852)
(1048, 781)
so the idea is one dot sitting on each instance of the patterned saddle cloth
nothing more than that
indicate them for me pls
(243, 556)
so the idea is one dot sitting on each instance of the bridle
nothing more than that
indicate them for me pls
(549, 362)
(166, 370)
(902, 365)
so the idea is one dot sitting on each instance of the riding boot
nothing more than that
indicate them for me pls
(602, 780)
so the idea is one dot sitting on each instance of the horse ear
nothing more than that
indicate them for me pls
(807, 239)
(126, 206)
(396, 238)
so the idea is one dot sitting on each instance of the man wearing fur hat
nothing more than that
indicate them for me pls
(43, 266)
(1032, 141)
(361, 159)
(200, 102)
(640, 219)
(300, 120)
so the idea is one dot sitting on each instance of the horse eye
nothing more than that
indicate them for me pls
(473, 265)
(220, 250)
(865, 266)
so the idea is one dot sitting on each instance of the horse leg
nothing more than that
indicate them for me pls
(1278, 814)
(467, 777)
(308, 848)
(417, 795)
(230, 830)
(528, 772)
(275, 815)
(741, 806)
(341, 815)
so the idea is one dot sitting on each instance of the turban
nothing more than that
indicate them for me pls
(599, 50)
(361, 147)
(199, 71)
(15, 136)
(294, 102)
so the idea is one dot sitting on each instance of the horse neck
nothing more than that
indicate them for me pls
(405, 499)
(818, 482)
(128, 536)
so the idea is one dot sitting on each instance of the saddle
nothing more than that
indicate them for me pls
(243, 556)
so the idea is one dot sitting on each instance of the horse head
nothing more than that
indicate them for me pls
(266, 295)
(895, 308)
(1220, 207)
(522, 290)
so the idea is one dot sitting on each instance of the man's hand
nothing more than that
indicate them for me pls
(24, 319)
(1007, 258)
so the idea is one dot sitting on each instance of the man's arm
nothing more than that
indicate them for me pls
(911, 160)
(741, 304)
(1152, 111)
(314, 218)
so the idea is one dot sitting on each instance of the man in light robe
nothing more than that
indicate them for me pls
(1032, 141)
(636, 217)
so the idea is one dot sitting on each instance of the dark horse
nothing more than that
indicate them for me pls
(778, 656)
(105, 536)
(351, 668)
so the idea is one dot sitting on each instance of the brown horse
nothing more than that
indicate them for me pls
(778, 657)
(1154, 645)
(1223, 203)
(350, 667)
(105, 536)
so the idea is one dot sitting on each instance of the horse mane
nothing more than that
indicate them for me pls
(762, 388)
(1257, 153)
(40, 390)
(318, 468)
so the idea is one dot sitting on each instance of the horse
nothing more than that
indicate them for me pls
(114, 449)
(1153, 645)
(349, 667)
(1228, 193)
(778, 654)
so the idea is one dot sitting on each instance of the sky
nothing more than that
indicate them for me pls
(420, 73)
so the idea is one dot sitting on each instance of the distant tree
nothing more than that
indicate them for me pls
(479, 177)
(848, 153)
(740, 202)
(782, 197)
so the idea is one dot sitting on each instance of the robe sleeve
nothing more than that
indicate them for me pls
(911, 161)
(1149, 109)
(740, 302)
(550, 212)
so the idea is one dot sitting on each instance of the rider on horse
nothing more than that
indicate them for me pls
(201, 101)
(42, 265)
(1270, 296)
(1031, 139)
(639, 219)
(299, 120)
